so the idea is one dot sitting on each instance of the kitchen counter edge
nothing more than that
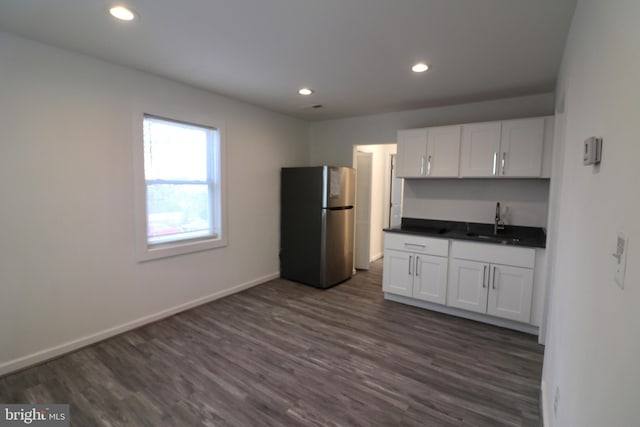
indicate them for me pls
(534, 237)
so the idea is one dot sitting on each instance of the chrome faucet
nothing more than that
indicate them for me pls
(498, 225)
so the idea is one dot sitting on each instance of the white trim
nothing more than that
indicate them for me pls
(376, 257)
(143, 251)
(503, 323)
(543, 404)
(70, 346)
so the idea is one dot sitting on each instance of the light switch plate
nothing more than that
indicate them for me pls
(621, 256)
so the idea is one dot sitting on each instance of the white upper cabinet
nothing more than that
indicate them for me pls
(521, 146)
(443, 151)
(510, 148)
(547, 149)
(429, 152)
(412, 150)
(480, 149)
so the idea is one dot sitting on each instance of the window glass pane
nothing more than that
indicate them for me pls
(174, 151)
(182, 177)
(178, 211)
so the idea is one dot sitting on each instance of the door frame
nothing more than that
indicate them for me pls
(392, 179)
(364, 179)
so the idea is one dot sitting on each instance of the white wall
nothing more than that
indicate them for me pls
(523, 202)
(379, 194)
(68, 272)
(593, 343)
(332, 141)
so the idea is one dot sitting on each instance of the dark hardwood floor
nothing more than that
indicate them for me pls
(284, 354)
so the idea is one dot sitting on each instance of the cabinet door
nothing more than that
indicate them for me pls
(430, 281)
(521, 147)
(480, 149)
(467, 287)
(412, 150)
(398, 270)
(443, 151)
(510, 292)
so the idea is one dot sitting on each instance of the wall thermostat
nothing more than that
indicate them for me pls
(592, 151)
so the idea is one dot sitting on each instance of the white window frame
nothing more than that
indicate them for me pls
(146, 251)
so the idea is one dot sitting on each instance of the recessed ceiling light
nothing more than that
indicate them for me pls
(420, 67)
(122, 13)
(305, 91)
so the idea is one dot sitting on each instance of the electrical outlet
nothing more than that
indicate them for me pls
(556, 401)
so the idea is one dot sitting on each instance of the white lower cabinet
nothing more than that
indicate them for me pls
(510, 292)
(489, 279)
(397, 274)
(418, 269)
(499, 290)
(468, 285)
(492, 279)
(430, 279)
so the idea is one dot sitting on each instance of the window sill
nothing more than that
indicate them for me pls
(183, 247)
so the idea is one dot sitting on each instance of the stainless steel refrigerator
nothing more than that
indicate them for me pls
(317, 224)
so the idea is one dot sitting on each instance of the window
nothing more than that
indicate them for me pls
(182, 187)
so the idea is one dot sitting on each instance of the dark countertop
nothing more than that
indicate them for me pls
(513, 235)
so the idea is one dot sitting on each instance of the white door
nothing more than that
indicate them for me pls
(430, 278)
(397, 272)
(397, 187)
(364, 171)
(521, 147)
(443, 151)
(412, 149)
(468, 285)
(480, 149)
(510, 292)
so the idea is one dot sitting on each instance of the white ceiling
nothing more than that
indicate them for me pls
(356, 54)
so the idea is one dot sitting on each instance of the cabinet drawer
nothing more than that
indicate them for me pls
(485, 252)
(417, 244)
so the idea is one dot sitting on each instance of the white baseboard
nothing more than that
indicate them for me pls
(503, 323)
(544, 407)
(68, 347)
(376, 257)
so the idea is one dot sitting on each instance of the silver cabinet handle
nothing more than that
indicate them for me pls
(422, 166)
(484, 277)
(495, 161)
(493, 283)
(415, 245)
(429, 166)
(504, 154)
(410, 262)
(417, 265)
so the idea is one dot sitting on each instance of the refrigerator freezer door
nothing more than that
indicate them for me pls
(337, 246)
(339, 187)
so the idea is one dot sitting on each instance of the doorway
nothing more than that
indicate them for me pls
(364, 175)
(373, 165)
(396, 189)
